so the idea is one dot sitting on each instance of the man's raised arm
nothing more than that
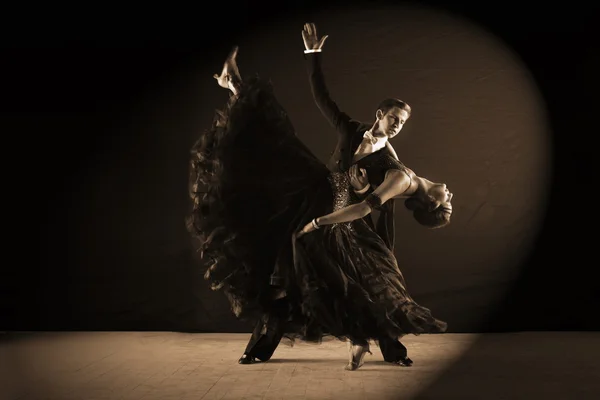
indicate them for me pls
(312, 53)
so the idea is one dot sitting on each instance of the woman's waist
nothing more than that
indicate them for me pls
(343, 193)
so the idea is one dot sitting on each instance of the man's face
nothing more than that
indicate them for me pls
(391, 122)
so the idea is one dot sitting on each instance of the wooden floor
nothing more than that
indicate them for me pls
(165, 365)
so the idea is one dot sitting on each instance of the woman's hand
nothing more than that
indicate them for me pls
(308, 228)
(358, 178)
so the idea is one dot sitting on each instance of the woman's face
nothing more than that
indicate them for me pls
(440, 193)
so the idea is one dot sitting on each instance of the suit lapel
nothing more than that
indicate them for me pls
(355, 141)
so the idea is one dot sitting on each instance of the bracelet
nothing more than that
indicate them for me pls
(373, 201)
(315, 224)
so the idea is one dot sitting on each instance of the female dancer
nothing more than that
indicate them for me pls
(264, 189)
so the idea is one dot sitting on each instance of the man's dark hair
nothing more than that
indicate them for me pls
(387, 104)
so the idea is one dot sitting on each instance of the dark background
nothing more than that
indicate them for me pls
(99, 111)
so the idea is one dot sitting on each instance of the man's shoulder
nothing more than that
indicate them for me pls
(360, 125)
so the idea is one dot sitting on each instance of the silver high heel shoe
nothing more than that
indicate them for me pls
(230, 75)
(356, 356)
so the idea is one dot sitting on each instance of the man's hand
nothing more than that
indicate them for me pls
(311, 40)
(358, 177)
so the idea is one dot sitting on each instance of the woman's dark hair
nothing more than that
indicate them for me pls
(427, 216)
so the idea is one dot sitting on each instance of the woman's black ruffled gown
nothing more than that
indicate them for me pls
(256, 184)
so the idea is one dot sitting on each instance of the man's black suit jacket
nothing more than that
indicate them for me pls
(349, 136)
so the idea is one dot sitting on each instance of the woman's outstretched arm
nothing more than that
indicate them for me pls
(396, 183)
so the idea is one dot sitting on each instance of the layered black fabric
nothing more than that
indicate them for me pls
(254, 185)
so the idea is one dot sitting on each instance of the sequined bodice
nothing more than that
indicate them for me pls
(340, 185)
(376, 164)
(343, 195)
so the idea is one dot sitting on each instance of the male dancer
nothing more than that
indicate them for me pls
(355, 141)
